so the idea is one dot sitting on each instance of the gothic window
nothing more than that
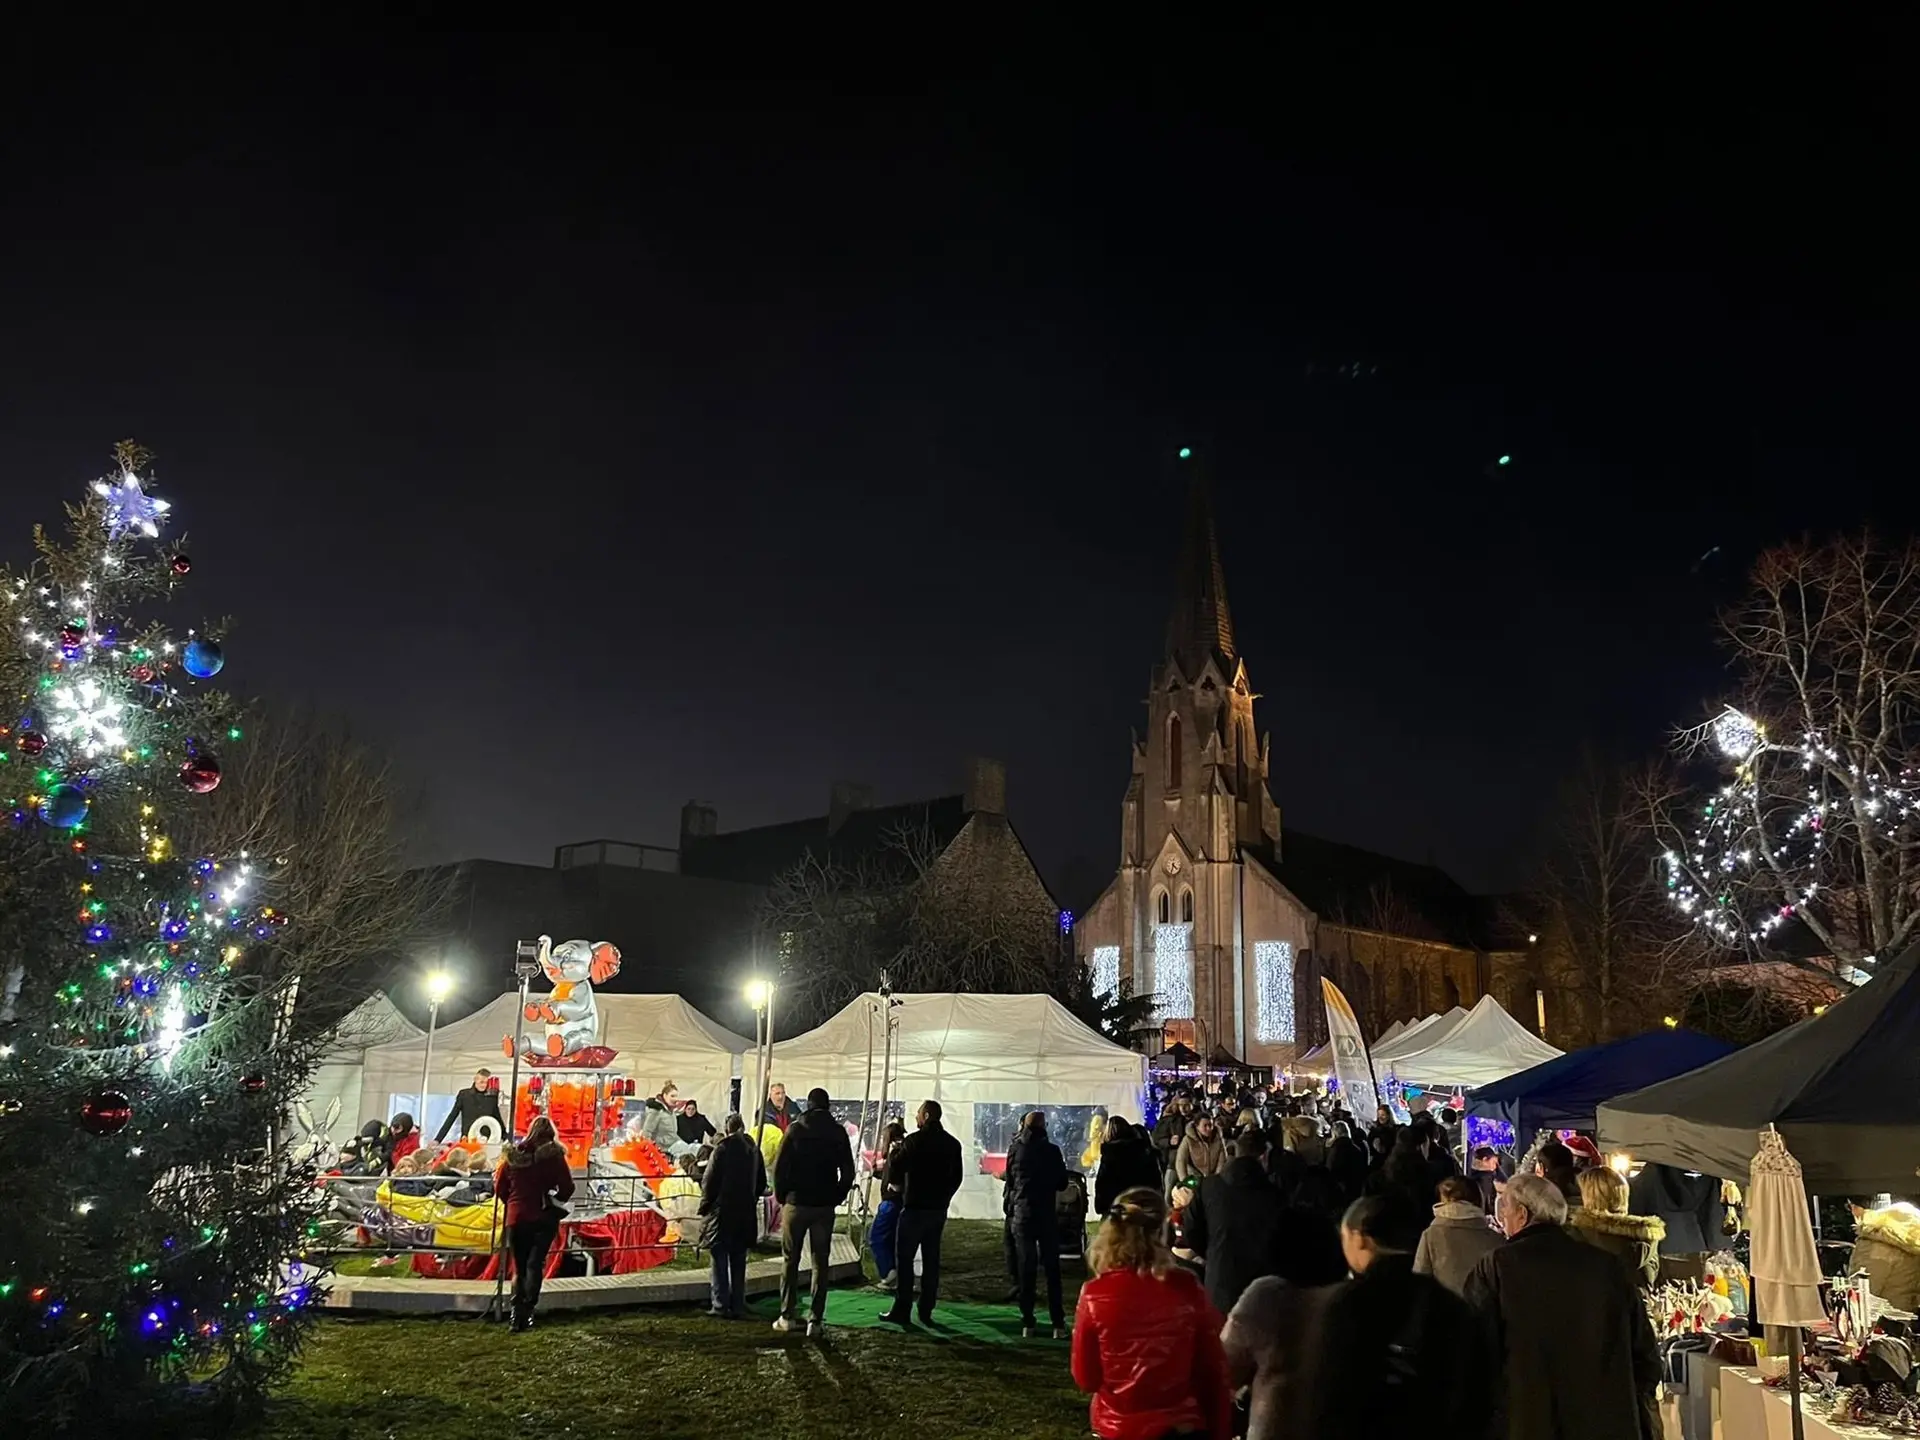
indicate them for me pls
(1410, 991)
(1173, 752)
(1162, 908)
(1452, 995)
(1186, 907)
(1273, 991)
(1173, 971)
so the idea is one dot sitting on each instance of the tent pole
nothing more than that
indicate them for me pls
(1793, 1380)
(513, 1106)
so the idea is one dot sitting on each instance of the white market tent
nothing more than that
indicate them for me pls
(658, 1037)
(1417, 1036)
(985, 1058)
(377, 1021)
(1486, 1044)
(1392, 1032)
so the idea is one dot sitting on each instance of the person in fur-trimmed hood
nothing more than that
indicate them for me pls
(1601, 1219)
(533, 1183)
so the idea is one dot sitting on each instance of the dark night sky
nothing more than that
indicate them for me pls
(597, 432)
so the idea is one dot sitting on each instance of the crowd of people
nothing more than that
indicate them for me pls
(1274, 1266)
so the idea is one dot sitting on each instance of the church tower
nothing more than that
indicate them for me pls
(1197, 802)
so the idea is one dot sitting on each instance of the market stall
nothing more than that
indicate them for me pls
(1564, 1094)
(1482, 1045)
(986, 1058)
(377, 1021)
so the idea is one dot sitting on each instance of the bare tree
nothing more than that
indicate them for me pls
(909, 910)
(1819, 822)
(317, 815)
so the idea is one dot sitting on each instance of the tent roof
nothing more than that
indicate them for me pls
(1565, 1093)
(635, 1025)
(376, 1020)
(1415, 1038)
(1486, 1045)
(1839, 1086)
(964, 1037)
(1390, 1032)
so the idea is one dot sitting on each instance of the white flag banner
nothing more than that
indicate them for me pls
(1351, 1066)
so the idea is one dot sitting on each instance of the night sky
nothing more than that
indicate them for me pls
(596, 430)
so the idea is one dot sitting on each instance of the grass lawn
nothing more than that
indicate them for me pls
(668, 1371)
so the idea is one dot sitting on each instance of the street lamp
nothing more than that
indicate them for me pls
(760, 997)
(438, 985)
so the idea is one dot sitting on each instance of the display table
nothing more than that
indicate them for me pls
(1751, 1410)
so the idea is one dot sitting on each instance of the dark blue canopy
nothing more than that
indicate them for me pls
(1565, 1093)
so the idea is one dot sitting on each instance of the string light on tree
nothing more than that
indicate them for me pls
(86, 717)
(1737, 735)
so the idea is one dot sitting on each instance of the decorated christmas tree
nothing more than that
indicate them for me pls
(153, 1028)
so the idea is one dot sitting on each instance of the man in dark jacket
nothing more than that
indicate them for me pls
(926, 1168)
(693, 1127)
(1126, 1160)
(1395, 1353)
(1245, 1229)
(1036, 1174)
(811, 1176)
(477, 1100)
(730, 1194)
(779, 1111)
(1572, 1336)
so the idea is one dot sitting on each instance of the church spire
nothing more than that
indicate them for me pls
(1201, 624)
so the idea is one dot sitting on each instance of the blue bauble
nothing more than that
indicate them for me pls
(203, 659)
(64, 807)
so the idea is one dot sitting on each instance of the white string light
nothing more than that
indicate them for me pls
(1273, 991)
(1103, 969)
(1173, 970)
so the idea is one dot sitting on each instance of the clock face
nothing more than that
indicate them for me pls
(1173, 864)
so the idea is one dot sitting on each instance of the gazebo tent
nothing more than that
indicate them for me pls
(659, 1037)
(1392, 1032)
(1566, 1093)
(1485, 1045)
(1840, 1087)
(1417, 1037)
(987, 1059)
(376, 1021)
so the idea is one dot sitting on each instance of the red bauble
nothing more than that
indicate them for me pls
(72, 634)
(105, 1112)
(201, 773)
(32, 743)
(181, 564)
(253, 1082)
(142, 674)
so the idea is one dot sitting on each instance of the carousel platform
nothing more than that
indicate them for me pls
(381, 1294)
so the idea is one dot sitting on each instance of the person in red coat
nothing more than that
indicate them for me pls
(1146, 1341)
(533, 1183)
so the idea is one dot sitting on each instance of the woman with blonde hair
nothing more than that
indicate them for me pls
(1146, 1341)
(1601, 1219)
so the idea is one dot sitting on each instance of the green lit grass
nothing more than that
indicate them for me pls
(669, 1372)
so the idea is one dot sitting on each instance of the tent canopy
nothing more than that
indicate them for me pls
(375, 1021)
(1391, 1032)
(986, 1059)
(1418, 1036)
(1840, 1087)
(659, 1037)
(1565, 1094)
(1484, 1045)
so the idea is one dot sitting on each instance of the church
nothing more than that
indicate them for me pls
(1229, 918)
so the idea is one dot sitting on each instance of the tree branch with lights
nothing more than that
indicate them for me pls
(1817, 821)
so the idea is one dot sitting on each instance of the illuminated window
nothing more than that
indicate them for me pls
(1273, 991)
(1186, 907)
(1173, 970)
(1162, 909)
(1103, 966)
(1173, 752)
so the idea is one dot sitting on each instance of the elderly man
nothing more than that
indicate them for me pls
(1577, 1354)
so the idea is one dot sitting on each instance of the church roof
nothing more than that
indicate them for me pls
(1201, 625)
(1347, 885)
(762, 854)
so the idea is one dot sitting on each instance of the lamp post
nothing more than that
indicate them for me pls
(760, 997)
(439, 985)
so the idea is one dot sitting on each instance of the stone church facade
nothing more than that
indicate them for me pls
(1229, 918)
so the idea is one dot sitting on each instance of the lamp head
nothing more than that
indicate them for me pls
(757, 993)
(439, 985)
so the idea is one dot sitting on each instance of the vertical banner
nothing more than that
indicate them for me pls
(1350, 1064)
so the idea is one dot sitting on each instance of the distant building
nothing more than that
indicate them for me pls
(1230, 919)
(686, 919)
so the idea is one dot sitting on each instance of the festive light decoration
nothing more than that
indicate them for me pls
(1737, 735)
(1273, 991)
(203, 659)
(1173, 970)
(1103, 969)
(129, 507)
(169, 1254)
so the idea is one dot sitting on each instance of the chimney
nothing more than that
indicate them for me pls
(847, 797)
(986, 788)
(698, 821)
